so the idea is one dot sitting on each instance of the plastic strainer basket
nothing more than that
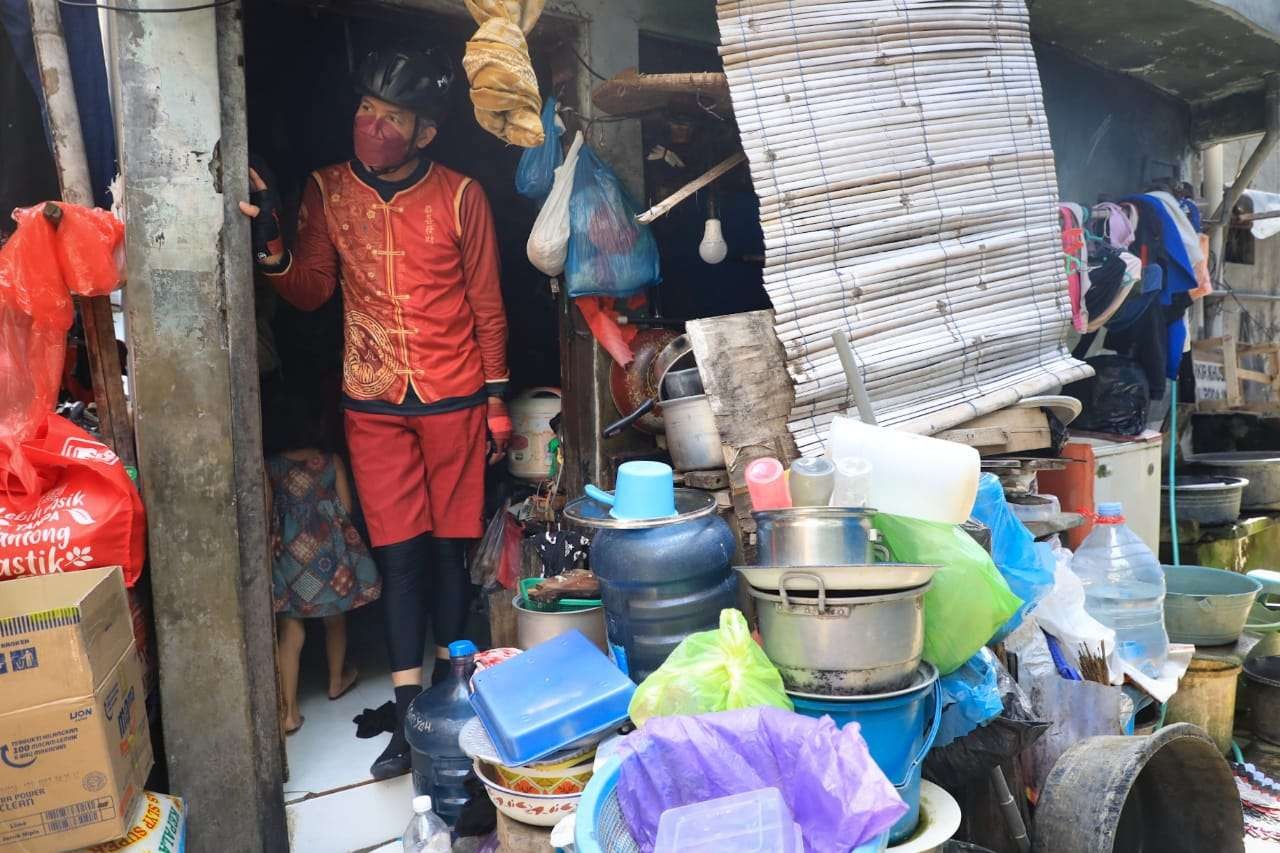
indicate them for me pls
(601, 828)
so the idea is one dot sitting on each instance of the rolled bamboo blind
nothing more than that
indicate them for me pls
(907, 194)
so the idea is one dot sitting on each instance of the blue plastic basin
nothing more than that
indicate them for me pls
(550, 697)
(899, 729)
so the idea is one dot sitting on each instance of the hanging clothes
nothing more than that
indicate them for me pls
(1077, 259)
(1158, 233)
(1112, 222)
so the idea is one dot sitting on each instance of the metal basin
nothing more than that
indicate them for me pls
(1206, 606)
(814, 536)
(840, 580)
(538, 626)
(1260, 468)
(1207, 499)
(841, 646)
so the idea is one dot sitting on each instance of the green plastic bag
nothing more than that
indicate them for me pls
(968, 601)
(711, 671)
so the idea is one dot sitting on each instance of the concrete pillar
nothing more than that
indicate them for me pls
(195, 398)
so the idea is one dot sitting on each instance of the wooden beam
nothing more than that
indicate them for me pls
(744, 371)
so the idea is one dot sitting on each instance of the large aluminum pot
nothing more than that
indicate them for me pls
(537, 626)
(692, 437)
(843, 646)
(815, 536)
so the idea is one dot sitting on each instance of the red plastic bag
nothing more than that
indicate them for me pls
(39, 265)
(85, 514)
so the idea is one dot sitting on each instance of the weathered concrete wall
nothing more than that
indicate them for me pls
(195, 405)
(1111, 134)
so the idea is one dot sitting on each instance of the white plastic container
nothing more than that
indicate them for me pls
(426, 832)
(1124, 589)
(529, 457)
(912, 475)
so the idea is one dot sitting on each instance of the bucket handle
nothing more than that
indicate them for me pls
(930, 736)
(822, 589)
(599, 495)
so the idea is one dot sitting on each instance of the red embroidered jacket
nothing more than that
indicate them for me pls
(422, 305)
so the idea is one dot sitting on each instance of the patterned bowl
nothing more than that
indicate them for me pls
(533, 809)
(533, 779)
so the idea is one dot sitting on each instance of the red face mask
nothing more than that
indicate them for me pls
(379, 145)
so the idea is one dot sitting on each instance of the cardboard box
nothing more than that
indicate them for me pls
(75, 746)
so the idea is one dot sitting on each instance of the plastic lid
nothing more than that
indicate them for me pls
(461, 648)
(1111, 508)
(421, 804)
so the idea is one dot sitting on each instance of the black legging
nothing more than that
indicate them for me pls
(404, 566)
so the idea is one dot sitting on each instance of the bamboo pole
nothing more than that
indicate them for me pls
(73, 179)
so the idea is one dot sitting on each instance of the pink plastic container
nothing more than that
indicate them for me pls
(767, 484)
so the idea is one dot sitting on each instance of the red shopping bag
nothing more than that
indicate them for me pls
(85, 514)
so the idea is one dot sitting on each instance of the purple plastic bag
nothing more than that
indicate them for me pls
(834, 789)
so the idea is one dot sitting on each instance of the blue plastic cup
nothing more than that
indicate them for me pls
(644, 490)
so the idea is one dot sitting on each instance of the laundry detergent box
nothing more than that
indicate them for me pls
(75, 746)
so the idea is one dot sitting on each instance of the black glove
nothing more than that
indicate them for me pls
(265, 227)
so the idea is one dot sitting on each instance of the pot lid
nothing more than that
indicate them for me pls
(690, 504)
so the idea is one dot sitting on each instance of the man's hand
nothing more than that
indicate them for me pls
(263, 208)
(499, 429)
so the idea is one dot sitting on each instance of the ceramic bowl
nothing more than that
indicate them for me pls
(533, 809)
(534, 779)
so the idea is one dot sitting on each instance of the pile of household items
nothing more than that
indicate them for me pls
(651, 706)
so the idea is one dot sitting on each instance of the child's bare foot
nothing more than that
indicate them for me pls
(292, 724)
(349, 676)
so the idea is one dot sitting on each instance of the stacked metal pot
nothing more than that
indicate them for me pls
(847, 634)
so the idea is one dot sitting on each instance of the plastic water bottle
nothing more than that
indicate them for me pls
(425, 833)
(1124, 589)
(432, 724)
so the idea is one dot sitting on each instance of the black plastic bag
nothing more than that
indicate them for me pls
(969, 759)
(1115, 400)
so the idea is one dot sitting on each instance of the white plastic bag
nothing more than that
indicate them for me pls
(1061, 612)
(548, 244)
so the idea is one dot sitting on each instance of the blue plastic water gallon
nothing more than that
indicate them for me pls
(432, 725)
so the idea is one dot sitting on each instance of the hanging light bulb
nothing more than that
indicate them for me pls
(713, 248)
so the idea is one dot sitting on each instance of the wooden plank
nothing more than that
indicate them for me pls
(108, 379)
(743, 369)
(663, 207)
(1231, 369)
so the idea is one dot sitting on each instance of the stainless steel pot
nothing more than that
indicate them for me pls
(692, 437)
(536, 626)
(816, 536)
(841, 646)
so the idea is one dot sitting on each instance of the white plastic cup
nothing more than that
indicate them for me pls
(811, 481)
(852, 486)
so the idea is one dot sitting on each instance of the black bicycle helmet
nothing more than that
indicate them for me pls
(417, 80)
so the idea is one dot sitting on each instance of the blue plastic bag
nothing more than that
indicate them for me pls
(610, 254)
(970, 697)
(1014, 550)
(537, 168)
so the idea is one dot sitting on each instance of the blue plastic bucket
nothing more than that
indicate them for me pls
(899, 729)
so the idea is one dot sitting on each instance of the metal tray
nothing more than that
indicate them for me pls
(867, 577)
(552, 697)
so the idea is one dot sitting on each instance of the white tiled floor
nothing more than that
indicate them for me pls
(332, 803)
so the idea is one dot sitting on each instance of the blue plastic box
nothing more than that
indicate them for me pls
(550, 697)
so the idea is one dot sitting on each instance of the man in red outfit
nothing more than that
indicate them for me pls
(425, 366)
